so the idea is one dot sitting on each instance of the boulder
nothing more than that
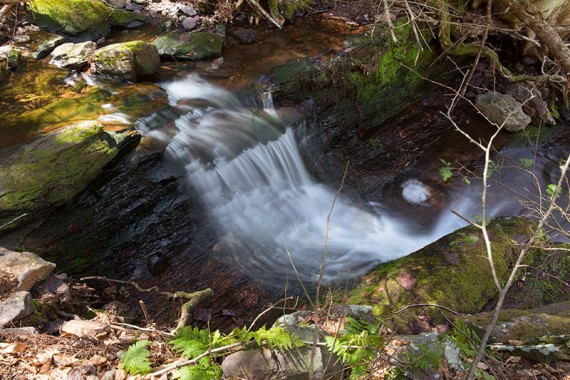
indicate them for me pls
(503, 110)
(524, 325)
(263, 363)
(452, 272)
(25, 267)
(193, 46)
(17, 306)
(73, 56)
(128, 60)
(80, 19)
(47, 46)
(54, 168)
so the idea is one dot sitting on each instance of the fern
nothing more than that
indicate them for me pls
(192, 341)
(199, 372)
(135, 360)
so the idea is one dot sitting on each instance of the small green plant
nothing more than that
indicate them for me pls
(357, 345)
(445, 170)
(552, 191)
(526, 162)
(135, 361)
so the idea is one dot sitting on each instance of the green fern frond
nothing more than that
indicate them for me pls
(135, 360)
(199, 372)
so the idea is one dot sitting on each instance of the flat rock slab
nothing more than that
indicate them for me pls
(17, 306)
(82, 328)
(25, 267)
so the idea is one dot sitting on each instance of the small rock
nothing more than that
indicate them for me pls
(228, 313)
(19, 331)
(244, 36)
(189, 23)
(203, 315)
(82, 328)
(118, 3)
(17, 306)
(73, 56)
(129, 60)
(187, 10)
(503, 110)
(47, 47)
(22, 39)
(27, 268)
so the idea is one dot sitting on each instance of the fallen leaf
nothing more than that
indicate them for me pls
(10, 348)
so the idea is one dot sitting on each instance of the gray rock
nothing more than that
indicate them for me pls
(187, 10)
(17, 306)
(19, 331)
(82, 328)
(262, 363)
(127, 60)
(47, 47)
(532, 104)
(73, 56)
(25, 267)
(189, 23)
(503, 110)
(22, 39)
(193, 46)
(118, 3)
(547, 348)
(244, 36)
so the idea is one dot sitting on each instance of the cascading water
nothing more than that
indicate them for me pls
(271, 216)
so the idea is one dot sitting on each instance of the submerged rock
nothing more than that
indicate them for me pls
(128, 60)
(4, 70)
(47, 46)
(193, 46)
(13, 56)
(52, 169)
(503, 110)
(72, 56)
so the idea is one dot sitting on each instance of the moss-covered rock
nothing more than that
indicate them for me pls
(524, 325)
(54, 168)
(452, 272)
(81, 19)
(128, 60)
(193, 46)
(72, 56)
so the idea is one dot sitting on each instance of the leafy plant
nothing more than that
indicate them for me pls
(445, 171)
(526, 162)
(135, 360)
(552, 191)
(200, 371)
(357, 345)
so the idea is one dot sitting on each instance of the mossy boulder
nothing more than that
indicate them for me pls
(523, 325)
(128, 60)
(80, 19)
(53, 169)
(452, 272)
(193, 46)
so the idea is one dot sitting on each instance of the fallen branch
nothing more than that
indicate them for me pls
(264, 13)
(186, 309)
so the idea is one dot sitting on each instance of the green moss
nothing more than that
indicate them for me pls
(43, 313)
(452, 272)
(125, 19)
(73, 17)
(54, 168)
(192, 46)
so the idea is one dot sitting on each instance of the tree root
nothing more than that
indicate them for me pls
(186, 309)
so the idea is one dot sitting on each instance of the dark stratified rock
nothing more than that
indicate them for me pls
(47, 46)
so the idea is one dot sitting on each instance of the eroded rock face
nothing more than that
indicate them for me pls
(52, 169)
(503, 110)
(25, 267)
(73, 56)
(129, 60)
(193, 46)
